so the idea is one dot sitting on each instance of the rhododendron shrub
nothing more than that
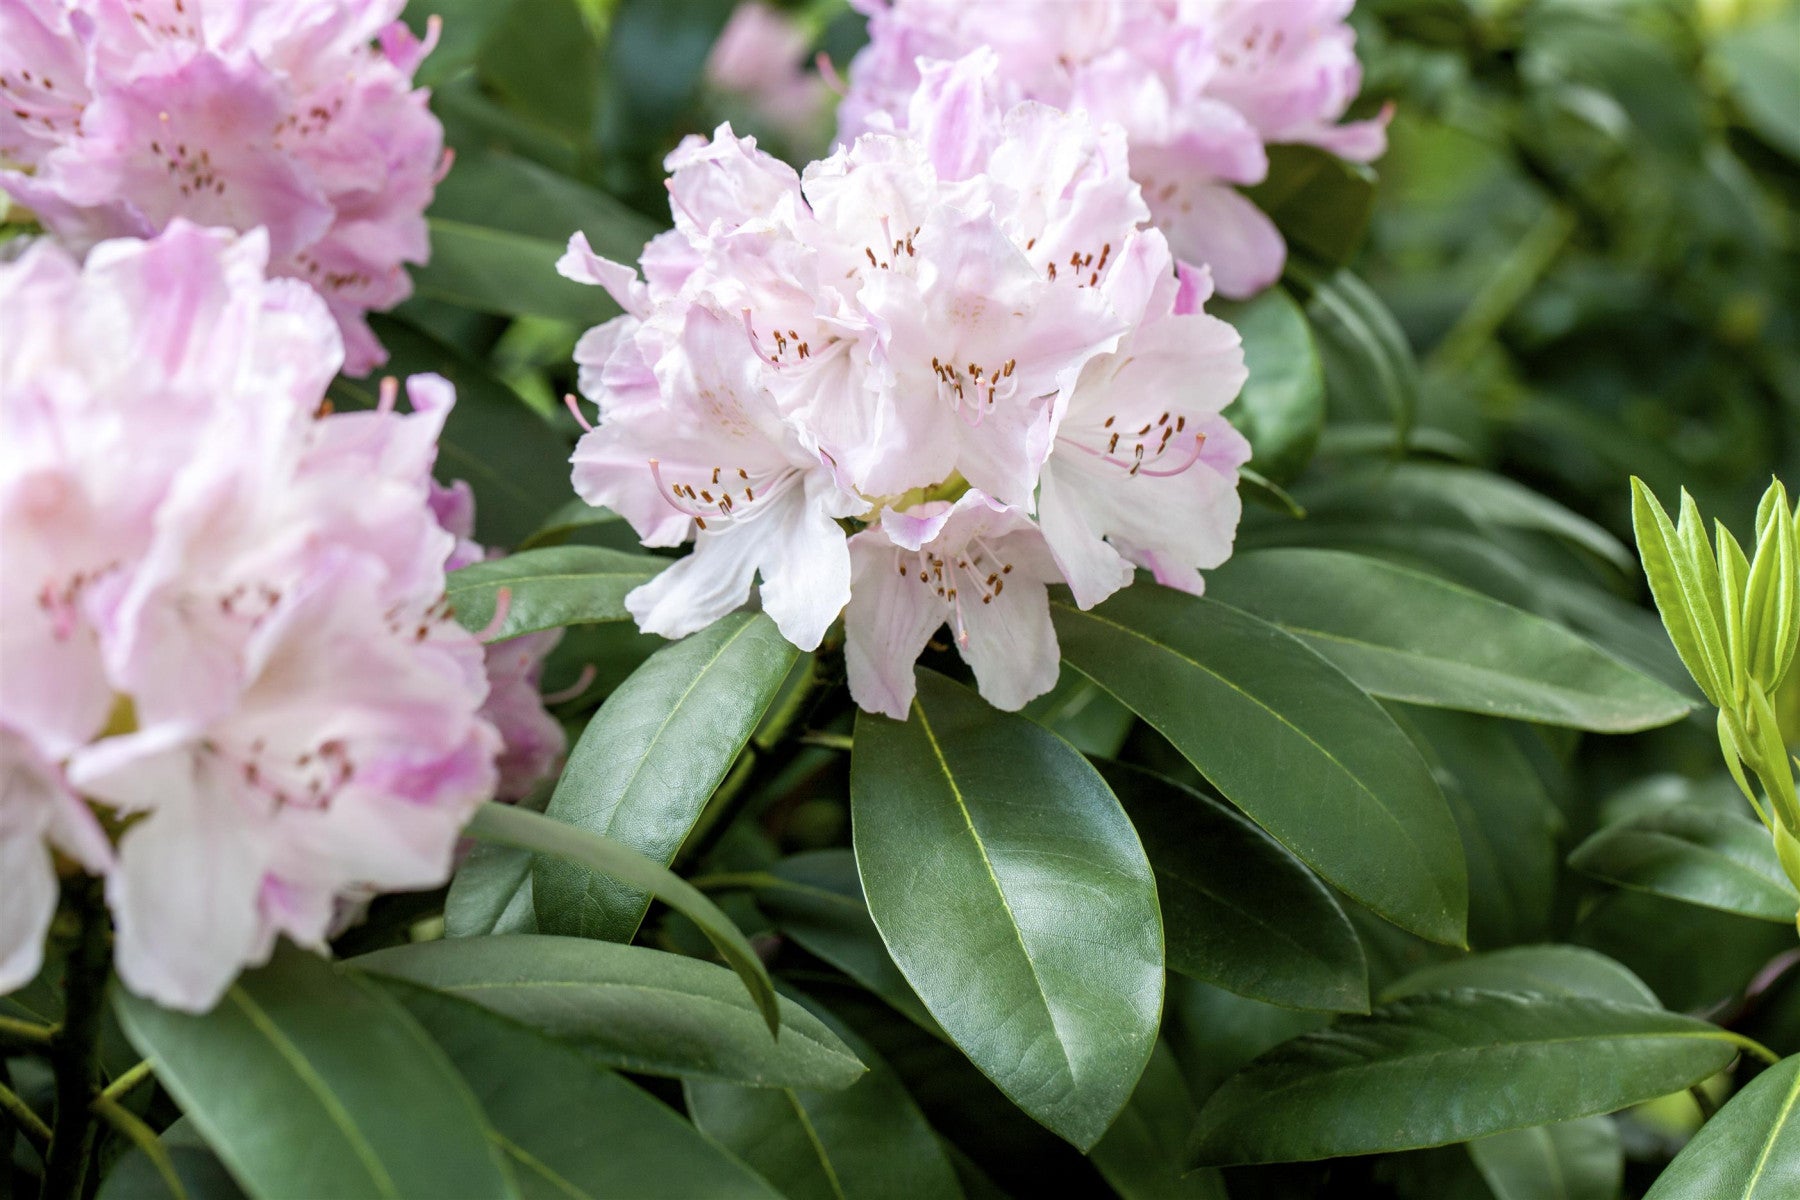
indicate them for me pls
(225, 630)
(116, 118)
(1201, 87)
(974, 312)
(1027, 694)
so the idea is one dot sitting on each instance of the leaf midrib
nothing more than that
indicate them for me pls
(1012, 921)
(315, 1083)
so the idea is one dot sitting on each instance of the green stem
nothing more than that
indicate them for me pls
(75, 1052)
(29, 1123)
(828, 741)
(24, 1034)
(144, 1138)
(1752, 1046)
(121, 1087)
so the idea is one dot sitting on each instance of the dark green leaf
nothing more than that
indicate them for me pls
(1507, 821)
(549, 588)
(1144, 1154)
(1573, 1160)
(517, 466)
(1288, 739)
(867, 1140)
(1013, 894)
(513, 274)
(1450, 1066)
(649, 760)
(816, 899)
(543, 59)
(1369, 365)
(1762, 64)
(1749, 1151)
(570, 1127)
(1320, 202)
(491, 893)
(525, 830)
(309, 1081)
(1405, 635)
(1552, 970)
(1698, 854)
(1239, 911)
(1282, 407)
(630, 1007)
(202, 1176)
(515, 195)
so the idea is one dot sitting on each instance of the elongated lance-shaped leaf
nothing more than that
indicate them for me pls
(526, 830)
(1685, 599)
(1772, 595)
(1749, 1151)
(1734, 571)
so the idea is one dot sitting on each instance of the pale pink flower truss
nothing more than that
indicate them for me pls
(760, 58)
(116, 118)
(222, 613)
(908, 339)
(1201, 87)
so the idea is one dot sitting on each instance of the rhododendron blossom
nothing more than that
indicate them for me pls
(760, 57)
(1201, 87)
(117, 118)
(532, 740)
(933, 337)
(224, 619)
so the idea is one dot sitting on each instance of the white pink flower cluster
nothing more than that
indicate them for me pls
(963, 340)
(117, 116)
(1200, 87)
(231, 684)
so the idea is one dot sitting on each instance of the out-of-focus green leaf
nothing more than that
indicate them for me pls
(1762, 66)
(1144, 1154)
(1282, 407)
(1015, 897)
(1321, 203)
(1369, 365)
(1573, 1160)
(497, 271)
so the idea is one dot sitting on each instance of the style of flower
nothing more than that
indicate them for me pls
(1200, 89)
(288, 117)
(910, 338)
(223, 611)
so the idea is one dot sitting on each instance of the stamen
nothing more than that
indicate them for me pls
(588, 672)
(574, 407)
(502, 606)
(388, 396)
